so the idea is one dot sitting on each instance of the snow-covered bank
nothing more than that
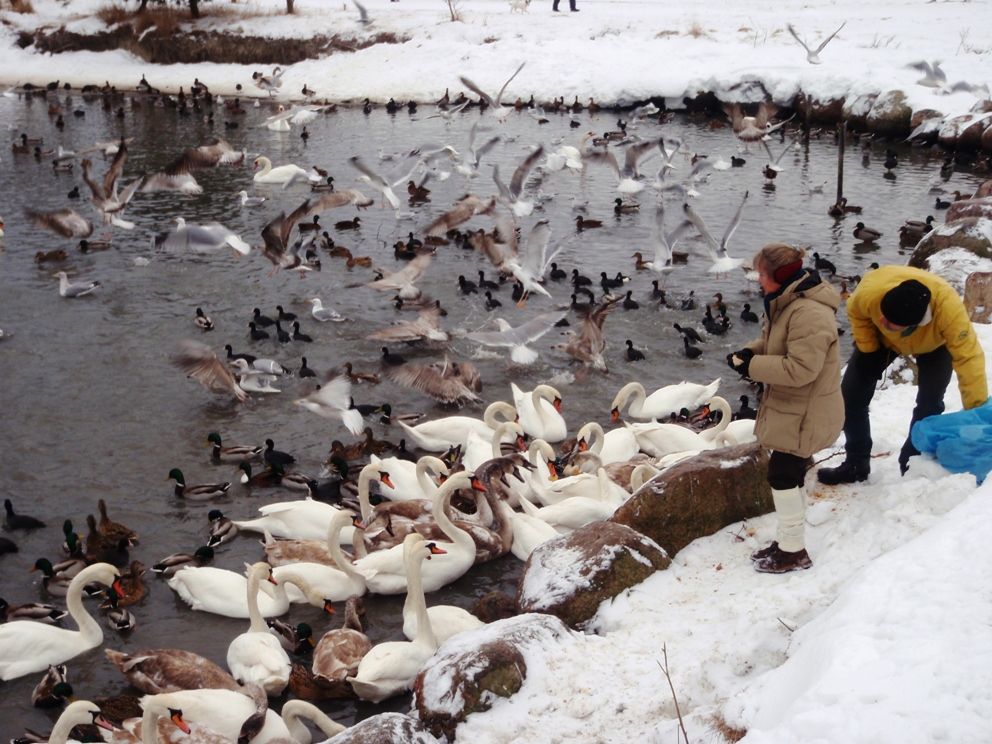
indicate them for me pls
(612, 50)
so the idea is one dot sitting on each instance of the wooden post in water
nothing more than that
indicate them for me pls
(842, 140)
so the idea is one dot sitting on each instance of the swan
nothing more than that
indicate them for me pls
(76, 714)
(331, 583)
(339, 652)
(547, 491)
(257, 656)
(618, 445)
(578, 511)
(642, 474)
(479, 450)
(302, 520)
(223, 592)
(26, 648)
(407, 481)
(149, 729)
(540, 412)
(663, 402)
(391, 668)
(282, 174)
(224, 711)
(385, 570)
(293, 710)
(446, 620)
(277, 123)
(528, 531)
(439, 435)
(659, 440)
(154, 671)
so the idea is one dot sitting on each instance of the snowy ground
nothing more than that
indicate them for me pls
(887, 637)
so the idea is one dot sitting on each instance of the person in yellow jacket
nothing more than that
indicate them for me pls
(902, 311)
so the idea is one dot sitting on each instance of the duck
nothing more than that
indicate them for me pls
(622, 208)
(172, 563)
(203, 322)
(866, 234)
(391, 668)
(295, 639)
(154, 671)
(348, 224)
(441, 434)
(941, 203)
(129, 587)
(849, 208)
(232, 453)
(117, 618)
(581, 223)
(539, 412)
(256, 655)
(26, 648)
(823, 264)
(113, 530)
(196, 493)
(19, 521)
(282, 174)
(340, 651)
(748, 315)
(662, 402)
(629, 303)
(55, 583)
(222, 529)
(274, 475)
(690, 351)
(915, 229)
(633, 355)
(36, 611)
(53, 689)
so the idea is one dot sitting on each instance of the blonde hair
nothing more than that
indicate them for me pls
(776, 255)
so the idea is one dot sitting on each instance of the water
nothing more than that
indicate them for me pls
(92, 408)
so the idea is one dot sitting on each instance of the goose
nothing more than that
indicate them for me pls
(225, 711)
(445, 620)
(618, 445)
(256, 655)
(77, 713)
(280, 174)
(441, 434)
(26, 648)
(339, 652)
(154, 671)
(391, 668)
(384, 570)
(222, 592)
(662, 402)
(540, 412)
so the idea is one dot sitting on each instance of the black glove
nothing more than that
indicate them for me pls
(740, 361)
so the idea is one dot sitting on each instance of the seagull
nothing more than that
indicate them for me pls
(398, 177)
(269, 84)
(497, 109)
(773, 168)
(664, 244)
(104, 195)
(251, 201)
(323, 314)
(402, 282)
(276, 237)
(340, 199)
(813, 55)
(518, 338)
(66, 222)
(446, 382)
(363, 20)
(510, 195)
(333, 401)
(469, 167)
(448, 114)
(200, 362)
(722, 262)
(177, 175)
(934, 77)
(587, 346)
(73, 290)
(466, 207)
(628, 180)
(529, 269)
(753, 128)
(200, 239)
(427, 327)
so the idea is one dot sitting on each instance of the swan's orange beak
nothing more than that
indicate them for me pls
(615, 414)
(435, 550)
(582, 445)
(328, 609)
(521, 444)
(477, 485)
(272, 578)
(385, 479)
(557, 404)
(177, 718)
(102, 722)
(116, 586)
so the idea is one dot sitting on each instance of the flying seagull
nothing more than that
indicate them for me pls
(498, 109)
(813, 55)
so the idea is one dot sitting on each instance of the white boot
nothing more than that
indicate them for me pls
(790, 507)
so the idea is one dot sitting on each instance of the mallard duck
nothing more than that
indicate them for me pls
(95, 541)
(583, 224)
(55, 584)
(849, 208)
(170, 564)
(913, 230)
(53, 689)
(202, 321)
(196, 493)
(359, 377)
(622, 208)
(113, 530)
(129, 587)
(117, 555)
(274, 475)
(222, 529)
(297, 639)
(120, 708)
(234, 452)
(866, 234)
(372, 446)
(42, 613)
(346, 454)
(117, 617)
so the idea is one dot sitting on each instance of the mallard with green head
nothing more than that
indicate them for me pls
(55, 584)
(234, 452)
(297, 639)
(866, 234)
(170, 564)
(54, 688)
(40, 613)
(196, 493)
(117, 617)
(222, 529)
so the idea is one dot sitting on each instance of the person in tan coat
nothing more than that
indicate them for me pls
(797, 358)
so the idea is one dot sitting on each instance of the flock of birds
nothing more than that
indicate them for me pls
(467, 491)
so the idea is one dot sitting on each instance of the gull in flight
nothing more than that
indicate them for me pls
(664, 243)
(518, 338)
(199, 362)
(722, 262)
(753, 128)
(105, 198)
(813, 55)
(385, 184)
(402, 282)
(200, 239)
(363, 20)
(497, 109)
(510, 195)
(66, 222)
(466, 207)
(528, 269)
(934, 77)
(628, 180)
(333, 401)
(469, 167)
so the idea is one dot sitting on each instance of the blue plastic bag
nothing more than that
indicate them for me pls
(962, 441)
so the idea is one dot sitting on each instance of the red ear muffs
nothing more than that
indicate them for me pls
(784, 272)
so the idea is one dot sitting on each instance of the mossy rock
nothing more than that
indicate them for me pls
(856, 111)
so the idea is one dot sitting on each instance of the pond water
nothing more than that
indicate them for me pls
(92, 409)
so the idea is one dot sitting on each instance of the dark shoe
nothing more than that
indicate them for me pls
(847, 472)
(759, 554)
(778, 561)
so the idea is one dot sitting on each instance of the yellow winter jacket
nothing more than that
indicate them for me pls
(950, 326)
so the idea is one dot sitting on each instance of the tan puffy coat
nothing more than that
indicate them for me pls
(798, 360)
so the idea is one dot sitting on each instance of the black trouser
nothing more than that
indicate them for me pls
(858, 387)
(571, 5)
(787, 471)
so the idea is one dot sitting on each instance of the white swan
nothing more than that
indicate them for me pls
(578, 511)
(659, 440)
(407, 480)
(224, 711)
(446, 620)
(391, 668)
(257, 656)
(662, 403)
(618, 445)
(146, 729)
(223, 592)
(277, 123)
(302, 520)
(335, 584)
(282, 174)
(30, 647)
(439, 435)
(528, 531)
(548, 491)
(479, 450)
(540, 412)
(76, 714)
(385, 570)
(294, 710)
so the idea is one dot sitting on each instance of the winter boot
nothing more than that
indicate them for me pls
(848, 471)
(781, 562)
(764, 552)
(789, 552)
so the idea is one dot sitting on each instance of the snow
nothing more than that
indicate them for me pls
(887, 637)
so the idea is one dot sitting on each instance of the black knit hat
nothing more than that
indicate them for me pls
(907, 304)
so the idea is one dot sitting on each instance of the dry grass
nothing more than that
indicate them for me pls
(728, 732)
(164, 18)
(695, 30)
(238, 12)
(21, 6)
(665, 34)
(111, 15)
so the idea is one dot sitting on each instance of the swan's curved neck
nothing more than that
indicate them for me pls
(334, 547)
(415, 596)
(597, 437)
(70, 717)
(369, 472)
(636, 396)
(499, 408)
(498, 435)
(442, 499)
(294, 709)
(539, 454)
(149, 723)
(425, 483)
(538, 397)
(726, 414)
(642, 474)
(89, 629)
(258, 624)
(291, 577)
(266, 165)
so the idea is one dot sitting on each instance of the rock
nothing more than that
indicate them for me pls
(987, 139)
(472, 669)
(890, 115)
(495, 605)
(984, 190)
(571, 575)
(982, 106)
(700, 496)
(856, 111)
(970, 233)
(978, 296)
(394, 728)
(978, 207)
(829, 111)
(922, 115)
(964, 132)
(957, 266)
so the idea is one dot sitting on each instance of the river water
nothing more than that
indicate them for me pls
(92, 409)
